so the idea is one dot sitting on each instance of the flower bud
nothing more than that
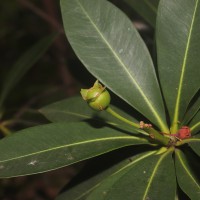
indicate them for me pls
(97, 96)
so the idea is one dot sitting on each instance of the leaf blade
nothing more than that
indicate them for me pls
(75, 109)
(194, 143)
(90, 184)
(133, 181)
(195, 123)
(52, 146)
(186, 179)
(107, 55)
(192, 111)
(180, 64)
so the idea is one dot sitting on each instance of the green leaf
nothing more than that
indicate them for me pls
(186, 178)
(24, 63)
(146, 8)
(194, 143)
(55, 145)
(146, 177)
(75, 109)
(178, 48)
(112, 50)
(82, 190)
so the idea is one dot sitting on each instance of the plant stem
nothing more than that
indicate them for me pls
(154, 134)
(174, 127)
(112, 112)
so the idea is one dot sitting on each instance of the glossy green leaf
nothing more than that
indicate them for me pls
(146, 177)
(178, 48)
(187, 181)
(112, 50)
(194, 143)
(24, 63)
(82, 190)
(55, 145)
(75, 109)
(146, 8)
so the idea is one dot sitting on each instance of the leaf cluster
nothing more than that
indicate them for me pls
(167, 94)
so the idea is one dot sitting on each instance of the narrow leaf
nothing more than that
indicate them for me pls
(178, 49)
(112, 50)
(144, 178)
(187, 181)
(25, 62)
(75, 109)
(146, 8)
(55, 145)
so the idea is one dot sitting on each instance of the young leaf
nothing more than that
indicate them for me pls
(178, 48)
(186, 179)
(112, 50)
(146, 177)
(55, 145)
(25, 62)
(146, 8)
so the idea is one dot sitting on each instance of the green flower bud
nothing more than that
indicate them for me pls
(97, 96)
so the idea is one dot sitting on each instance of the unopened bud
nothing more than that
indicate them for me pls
(97, 96)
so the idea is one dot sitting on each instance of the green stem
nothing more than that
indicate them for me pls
(174, 127)
(112, 112)
(154, 134)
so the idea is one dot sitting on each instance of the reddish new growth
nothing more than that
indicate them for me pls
(183, 133)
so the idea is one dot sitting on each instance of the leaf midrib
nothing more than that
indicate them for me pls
(157, 116)
(75, 144)
(67, 112)
(183, 67)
